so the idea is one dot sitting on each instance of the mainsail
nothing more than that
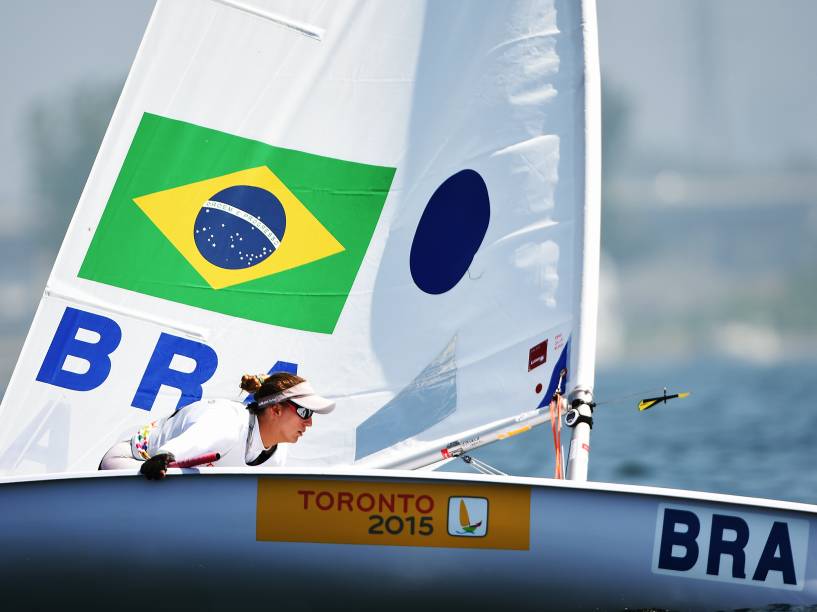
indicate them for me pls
(394, 200)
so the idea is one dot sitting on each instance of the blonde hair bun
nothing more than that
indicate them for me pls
(252, 382)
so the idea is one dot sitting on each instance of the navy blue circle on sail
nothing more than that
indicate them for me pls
(239, 227)
(450, 232)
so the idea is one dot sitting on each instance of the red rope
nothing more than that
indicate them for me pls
(556, 428)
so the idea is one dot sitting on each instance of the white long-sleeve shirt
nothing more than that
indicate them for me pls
(207, 426)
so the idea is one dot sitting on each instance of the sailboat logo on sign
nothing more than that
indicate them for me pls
(467, 516)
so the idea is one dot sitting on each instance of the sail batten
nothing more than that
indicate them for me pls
(75, 298)
(309, 30)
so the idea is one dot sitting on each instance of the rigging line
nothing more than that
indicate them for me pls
(562, 454)
(629, 396)
(555, 408)
(490, 469)
(481, 466)
(468, 459)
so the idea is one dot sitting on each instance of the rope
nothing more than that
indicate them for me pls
(482, 467)
(556, 428)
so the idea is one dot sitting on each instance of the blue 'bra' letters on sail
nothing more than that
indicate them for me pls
(97, 354)
(159, 372)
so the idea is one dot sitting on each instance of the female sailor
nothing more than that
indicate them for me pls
(254, 434)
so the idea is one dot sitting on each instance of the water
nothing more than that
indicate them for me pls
(747, 429)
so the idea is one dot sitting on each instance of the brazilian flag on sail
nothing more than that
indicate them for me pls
(237, 226)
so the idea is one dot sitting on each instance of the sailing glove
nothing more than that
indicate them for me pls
(155, 468)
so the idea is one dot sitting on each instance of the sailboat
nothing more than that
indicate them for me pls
(400, 202)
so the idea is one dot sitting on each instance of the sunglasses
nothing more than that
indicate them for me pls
(304, 413)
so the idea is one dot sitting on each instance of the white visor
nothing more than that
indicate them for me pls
(302, 394)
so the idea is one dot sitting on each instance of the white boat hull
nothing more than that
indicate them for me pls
(206, 541)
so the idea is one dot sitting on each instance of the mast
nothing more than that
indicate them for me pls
(581, 396)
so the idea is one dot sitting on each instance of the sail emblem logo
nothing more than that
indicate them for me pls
(467, 516)
(236, 226)
(239, 227)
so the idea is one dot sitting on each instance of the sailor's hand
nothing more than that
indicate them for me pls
(155, 468)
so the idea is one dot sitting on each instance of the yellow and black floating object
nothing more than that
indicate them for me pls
(649, 402)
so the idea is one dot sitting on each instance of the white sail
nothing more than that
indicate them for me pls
(411, 179)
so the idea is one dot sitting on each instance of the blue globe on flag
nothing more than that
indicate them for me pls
(239, 227)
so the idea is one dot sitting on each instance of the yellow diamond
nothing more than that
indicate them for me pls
(173, 212)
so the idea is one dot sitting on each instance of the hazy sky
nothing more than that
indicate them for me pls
(729, 79)
(47, 47)
(734, 79)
